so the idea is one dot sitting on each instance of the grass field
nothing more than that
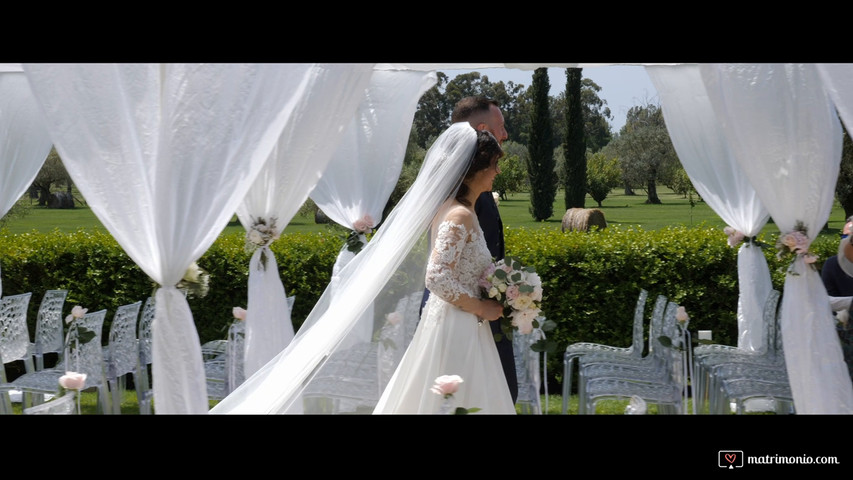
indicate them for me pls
(515, 212)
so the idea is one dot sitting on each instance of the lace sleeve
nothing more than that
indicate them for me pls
(442, 277)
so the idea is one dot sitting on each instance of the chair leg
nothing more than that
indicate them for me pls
(143, 393)
(5, 403)
(115, 394)
(568, 370)
(104, 402)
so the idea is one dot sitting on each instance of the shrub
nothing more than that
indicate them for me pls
(591, 279)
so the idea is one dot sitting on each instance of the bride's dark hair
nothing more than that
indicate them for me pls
(486, 156)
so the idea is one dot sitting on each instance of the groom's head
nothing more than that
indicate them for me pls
(482, 113)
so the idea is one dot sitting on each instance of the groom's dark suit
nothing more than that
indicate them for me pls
(493, 231)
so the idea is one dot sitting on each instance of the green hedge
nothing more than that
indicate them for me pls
(591, 280)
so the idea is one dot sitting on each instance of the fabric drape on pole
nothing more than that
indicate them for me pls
(785, 134)
(295, 165)
(391, 266)
(365, 167)
(164, 154)
(701, 146)
(838, 81)
(24, 139)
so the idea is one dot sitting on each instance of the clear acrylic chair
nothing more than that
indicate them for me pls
(14, 341)
(49, 327)
(142, 376)
(607, 358)
(741, 391)
(664, 368)
(121, 357)
(63, 405)
(235, 356)
(579, 349)
(85, 358)
(752, 374)
(741, 383)
(356, 368)
(704, 356)
(224, 359)
(527, 370)
(215, 371)
(706, 368)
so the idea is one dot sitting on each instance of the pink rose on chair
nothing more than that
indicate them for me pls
(73, 381)
(681, 315)
(239, 313)
(76, 312)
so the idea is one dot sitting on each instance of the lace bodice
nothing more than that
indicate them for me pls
(457, 262)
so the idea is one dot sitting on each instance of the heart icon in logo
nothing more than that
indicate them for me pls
(731, 457)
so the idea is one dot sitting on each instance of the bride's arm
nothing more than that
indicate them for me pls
(442, 278)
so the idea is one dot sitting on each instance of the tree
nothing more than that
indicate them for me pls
(596, 114)
(602, 175)
(513, 176)
(645, 150)
(434, 108)
(844, 185)
(51, 173)
(432, 115)
(540, 169)
(574, 147)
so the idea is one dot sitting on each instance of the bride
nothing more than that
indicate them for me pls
(329, 368)
(451, 338)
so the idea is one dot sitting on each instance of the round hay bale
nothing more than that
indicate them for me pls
(582, 219)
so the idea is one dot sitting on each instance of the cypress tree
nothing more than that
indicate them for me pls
(543, 178)
(574, 148)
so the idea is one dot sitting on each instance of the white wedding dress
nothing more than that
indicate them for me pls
(448, 340)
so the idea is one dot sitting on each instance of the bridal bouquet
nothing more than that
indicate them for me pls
(519, 289)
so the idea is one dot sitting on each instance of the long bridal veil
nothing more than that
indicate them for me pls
(326, 370)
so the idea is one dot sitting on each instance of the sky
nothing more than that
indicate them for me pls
(622, 86)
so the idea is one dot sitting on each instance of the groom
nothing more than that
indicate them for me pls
(485, 114)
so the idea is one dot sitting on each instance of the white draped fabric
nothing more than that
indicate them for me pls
(296, 164)
(164, 154)
(383, 269)
(838, 81)
(366, 165)
(702, 149)
(784, 132)
(24, 140)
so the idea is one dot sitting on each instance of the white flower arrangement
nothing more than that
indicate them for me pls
(261, 235)
(195, 281)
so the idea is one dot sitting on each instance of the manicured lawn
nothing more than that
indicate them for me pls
(515, 212)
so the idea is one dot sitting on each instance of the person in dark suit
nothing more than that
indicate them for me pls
(485, 114)
(837, 282)
(837, 276)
